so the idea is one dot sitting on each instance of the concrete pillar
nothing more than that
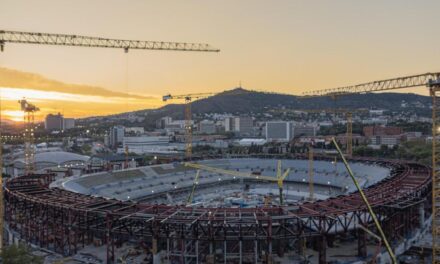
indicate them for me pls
(323, 250)
(210, 259)
(301, 246)
(256, 250)
(156, 257)
(241, 250)
(224, 251)
(154, 245)
(362, 243)
(421, 216)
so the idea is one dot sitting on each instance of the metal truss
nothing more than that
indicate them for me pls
(97, 42)
(63, 221)
(377, 86)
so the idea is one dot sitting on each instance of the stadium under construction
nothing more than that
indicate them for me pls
(228, 219)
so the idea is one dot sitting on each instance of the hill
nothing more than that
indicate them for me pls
(240, 101)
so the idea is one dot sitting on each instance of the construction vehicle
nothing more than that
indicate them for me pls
(188, 117)
(21, 37)
(432, 81)
(279, 179)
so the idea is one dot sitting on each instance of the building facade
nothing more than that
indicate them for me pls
(280, 131)
(206, 127)
(116, 136)
(54, 122)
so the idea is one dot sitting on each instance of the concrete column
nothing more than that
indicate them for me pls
(301, 246)
(224, 251)
(210, 259)
(421, 216)
(156, 257)
(362, 243)
(256, 250)
(241, 251)
(323, 250)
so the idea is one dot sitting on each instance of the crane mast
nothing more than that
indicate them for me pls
(29, 134)
(432, 81)
(188, 117)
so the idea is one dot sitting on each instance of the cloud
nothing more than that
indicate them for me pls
(26, 80)
(71, 99)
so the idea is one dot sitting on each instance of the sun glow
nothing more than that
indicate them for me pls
(13, 115)
(71, 105)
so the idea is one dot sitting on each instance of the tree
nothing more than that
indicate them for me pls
(19, 254)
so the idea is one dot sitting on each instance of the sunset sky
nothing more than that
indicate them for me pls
(278, 46)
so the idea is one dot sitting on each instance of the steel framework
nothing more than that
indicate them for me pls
(432, 81)
(65, 222)
(97, 42)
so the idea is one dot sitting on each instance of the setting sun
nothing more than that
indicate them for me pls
(70, 104)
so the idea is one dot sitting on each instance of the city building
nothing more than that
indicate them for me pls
(116, 136)
(206, 127)
(54, 122)
(229, 124)
(280, 131)
(68, 123)
(388, 140)
(370, 131)
(145, 144)
(243, 125)
(303, 130)
(134, 130)
(58, 122)
(247, 142)
(163, 122)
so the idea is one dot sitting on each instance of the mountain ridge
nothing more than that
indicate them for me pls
(240, 101)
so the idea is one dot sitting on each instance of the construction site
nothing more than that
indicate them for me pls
(309, 208)
(230, 218)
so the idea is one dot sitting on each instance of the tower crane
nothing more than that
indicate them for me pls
(432, 81)
(22, 37)
(279, 179)
(7, 36)
(188, 117)
(29, 136)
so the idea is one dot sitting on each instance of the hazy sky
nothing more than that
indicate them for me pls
(279, 46)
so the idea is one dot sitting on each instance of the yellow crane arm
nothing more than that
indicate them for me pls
(196, 182)
(279, 169)
(281, 179)
(364, 198)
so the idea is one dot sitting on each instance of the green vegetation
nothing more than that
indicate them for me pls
(418, 151)
(19, 254)
(424, 127)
